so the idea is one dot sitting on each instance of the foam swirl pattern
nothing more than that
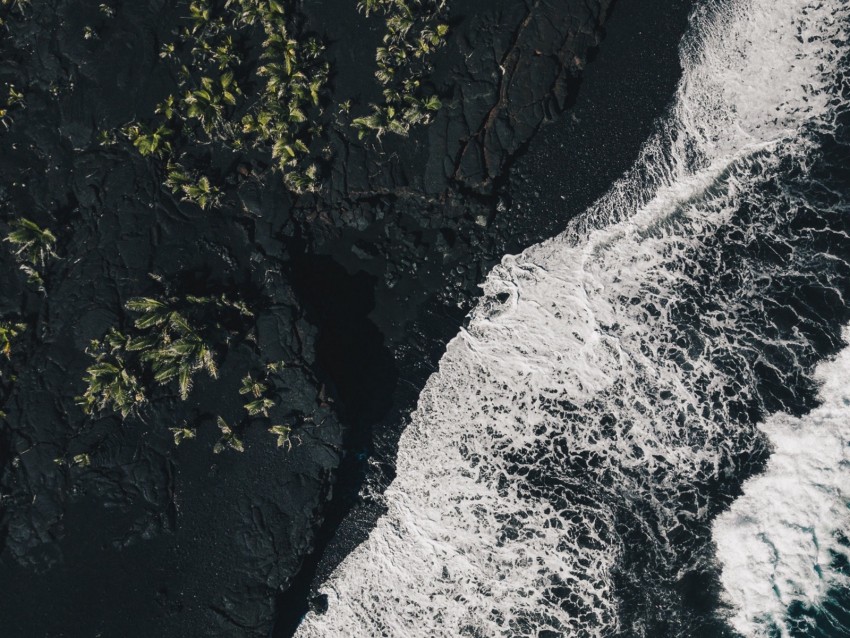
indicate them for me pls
(563, 469)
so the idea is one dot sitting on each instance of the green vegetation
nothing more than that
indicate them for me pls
(415, 30)
(33, 244)
(195, 188)
(228, 439)
(110, 383)
(261, 390)
(210, 111)
(14, 99)
(78, 460)
(150, 142)
(282, 117)
(284, 435)
(181, 434)
(9, 332)
(172, 339)
(33, 248)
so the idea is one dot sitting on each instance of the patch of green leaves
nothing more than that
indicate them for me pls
(228, 440)
(9, 331)
(172, 340)
(33, 247)
(110, 383)
(415, 30)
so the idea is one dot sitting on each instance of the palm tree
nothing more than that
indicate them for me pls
(224, 55)
(228, 438)
(33, 243)
(284, 435)
(202, 193)
(381, 120)
(150, 141)
(259, 406)
(303, 180)
(182, 359)
(177, 176)
(207, 103)
(200, 14)
(253, 387)
(14, 98)
(285, 149)
(369, 6)
(166, 107)
(282, 49)
(155, 313)
(8, 332)
(198, 190)
(110, 382)
(182, 434)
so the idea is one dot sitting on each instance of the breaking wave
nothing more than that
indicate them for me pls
(784, 544)
(564, 467)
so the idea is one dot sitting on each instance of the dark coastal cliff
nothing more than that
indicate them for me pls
(358, 286)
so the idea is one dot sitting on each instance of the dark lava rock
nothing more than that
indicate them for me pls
(359, 287)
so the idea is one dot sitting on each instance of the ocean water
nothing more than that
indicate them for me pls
(643, 430)
(783, 544)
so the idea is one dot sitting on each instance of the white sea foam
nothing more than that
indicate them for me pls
(580, 414)
(779, 541)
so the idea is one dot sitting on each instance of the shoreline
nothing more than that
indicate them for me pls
(617, 68)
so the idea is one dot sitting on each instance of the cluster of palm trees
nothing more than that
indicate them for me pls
(415, 30)
(261, 395)
(295, 78)
(284, 117)
(207, 103)
(172, 340)
(33, 247)
(211, 108)
(111, 381)
(257, 393)
(196, 188)
(150, 141)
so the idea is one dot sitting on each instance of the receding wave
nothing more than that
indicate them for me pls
(562, 470)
